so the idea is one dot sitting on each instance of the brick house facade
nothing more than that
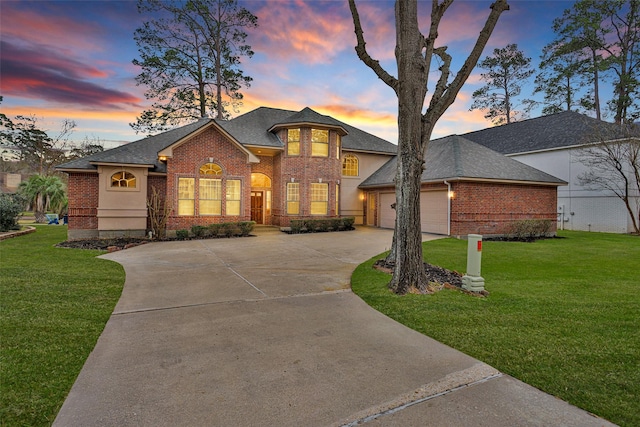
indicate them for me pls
(212, 171)
(271, 166)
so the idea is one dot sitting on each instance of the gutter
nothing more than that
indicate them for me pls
(448, 207)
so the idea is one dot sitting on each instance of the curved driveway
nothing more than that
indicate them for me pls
(264, 331)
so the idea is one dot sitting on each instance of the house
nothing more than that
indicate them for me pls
(553, 144)
(271, 166)
(466, 188)
(268, 165)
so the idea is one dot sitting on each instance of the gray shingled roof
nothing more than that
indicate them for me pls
(455, 157)
(564, 129)
(251, 128)
(144, 151)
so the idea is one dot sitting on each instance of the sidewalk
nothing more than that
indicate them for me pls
(264, 331)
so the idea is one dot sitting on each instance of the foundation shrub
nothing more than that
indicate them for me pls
(246, 227)
(528, 229)
(182, 234)
(199, 230)
(320, 225)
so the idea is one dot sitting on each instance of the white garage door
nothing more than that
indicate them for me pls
(433, 211)
(387, 215)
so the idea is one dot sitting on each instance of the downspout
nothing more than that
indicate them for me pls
(448, 207)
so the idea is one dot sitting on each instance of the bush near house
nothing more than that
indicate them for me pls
(311, 225)
(11, 206)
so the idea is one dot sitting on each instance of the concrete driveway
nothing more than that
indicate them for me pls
(264, 331)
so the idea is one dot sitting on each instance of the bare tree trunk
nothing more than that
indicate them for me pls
(414, 54)
(596, 87)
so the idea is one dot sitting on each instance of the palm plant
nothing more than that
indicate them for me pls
(44, 193)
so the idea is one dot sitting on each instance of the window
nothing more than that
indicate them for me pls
(186, 196)
(319, 198)
(293, 142)
(338, 144)
(260, 180)
(210, 169)
(350, 165)
(233, 196)
(293, 198)
(210, 195)
(319, 143)
(123, 179)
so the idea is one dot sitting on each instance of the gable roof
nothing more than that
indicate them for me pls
(456, 158)
(142, 152)
(560, 130)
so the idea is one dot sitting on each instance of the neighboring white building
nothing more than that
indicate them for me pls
(553, 144)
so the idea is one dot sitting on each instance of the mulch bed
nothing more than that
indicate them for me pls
(104, 244)
(439, 278)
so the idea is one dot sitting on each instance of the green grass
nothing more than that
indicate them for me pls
(54, 305)
(563, 315)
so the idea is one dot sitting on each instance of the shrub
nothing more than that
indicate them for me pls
(182, 234)
(348, 222)
(11, 206)
(229, 229)
(529, 229)
(296, 225)
(199, 230)
(337, 224)
(246, 227)
(214, 229)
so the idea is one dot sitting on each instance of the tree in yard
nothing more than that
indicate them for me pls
(37, 149)
(44, 193)
(614, 164)
(507, 69)
(562, 80)
(86, 148)
(414, 56)
(623, 56)
(579, 30)
(190, 60)
(11, 206)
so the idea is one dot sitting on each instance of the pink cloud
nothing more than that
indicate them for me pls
(297, 30)
(48, 75)
(39, 28)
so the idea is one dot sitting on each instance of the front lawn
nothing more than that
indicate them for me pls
(563, 315)
(54, 304)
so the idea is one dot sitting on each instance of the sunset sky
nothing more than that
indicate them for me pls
(72, 60)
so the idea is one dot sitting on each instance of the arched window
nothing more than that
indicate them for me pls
(350, 165)
(260, 180)
(210, 169)
(123, 179)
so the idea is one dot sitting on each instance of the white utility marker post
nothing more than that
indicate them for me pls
(472, 281)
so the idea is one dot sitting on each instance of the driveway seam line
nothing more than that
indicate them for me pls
(202, 304)
(231, 268)
(418, 401)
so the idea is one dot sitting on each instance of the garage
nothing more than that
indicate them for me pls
(433, 212)
(387, 214)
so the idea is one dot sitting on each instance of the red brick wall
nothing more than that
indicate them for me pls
(487, 208)
(305, 170)
(82, 190)
(209, 146)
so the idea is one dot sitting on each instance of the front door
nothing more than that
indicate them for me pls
(256, 206)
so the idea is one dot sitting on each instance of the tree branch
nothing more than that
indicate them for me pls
(436, 110)
(364, 56)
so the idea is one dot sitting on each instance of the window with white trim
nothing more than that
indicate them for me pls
(319, 142)
(186, 196)
(293, 198)
(350, 165)
(319, 198)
